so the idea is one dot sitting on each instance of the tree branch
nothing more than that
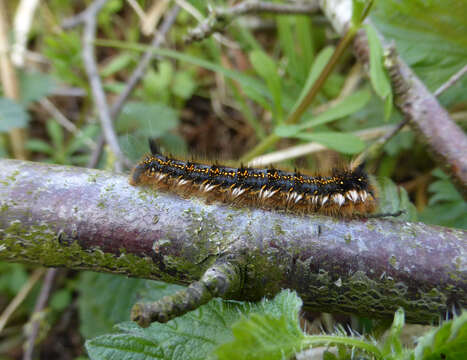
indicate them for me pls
(446, 141)
(88, 219)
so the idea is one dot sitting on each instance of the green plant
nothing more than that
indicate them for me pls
(268, 330)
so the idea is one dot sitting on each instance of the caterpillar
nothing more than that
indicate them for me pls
(345, 193)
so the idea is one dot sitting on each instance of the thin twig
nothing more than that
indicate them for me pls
(136, 76)
(67, 124)
(20, 296)
(313, 147)
(96, 84)
(451, 81)
(221, 17)
(40, 305)
(146, 58)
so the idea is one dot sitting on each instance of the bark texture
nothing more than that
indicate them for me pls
(89, 219)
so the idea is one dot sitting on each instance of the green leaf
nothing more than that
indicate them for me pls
(60, 299)
(378, 76)
(12, 115)
(35, 85)
(63, 49)
(148, 119)
(430, 36)
(12, 279)
(183, 85)
(194, 335)
(287, 43)
(55, 131)
(449, 341)
(305, 40)
(241, 78)
(318, 65)
(266, 68)
(272, 334)
(117, 63)
(78, 141)
(358, 8)
(347, 106)
(39, 146)
(343, 142)
(446, 206)
(107, 299)
(393, 198)
(392, 345)
(262, 337)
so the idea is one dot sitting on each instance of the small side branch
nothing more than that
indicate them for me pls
(221, 17)
(89, 34)
(61, 216)
(136, 76)
(221, 280)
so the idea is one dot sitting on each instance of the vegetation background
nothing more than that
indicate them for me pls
(219, 97)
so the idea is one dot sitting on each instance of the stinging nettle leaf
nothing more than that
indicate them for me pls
(430, 36)
(194, 335)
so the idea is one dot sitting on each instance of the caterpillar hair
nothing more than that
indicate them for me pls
(344, 193)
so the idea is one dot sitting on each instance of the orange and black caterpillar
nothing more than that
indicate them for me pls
(342, 193)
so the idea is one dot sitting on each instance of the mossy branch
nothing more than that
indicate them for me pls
(89, 219)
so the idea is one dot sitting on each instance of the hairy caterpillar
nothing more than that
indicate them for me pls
(342, 193)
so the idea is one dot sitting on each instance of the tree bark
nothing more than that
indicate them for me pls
(89, 219)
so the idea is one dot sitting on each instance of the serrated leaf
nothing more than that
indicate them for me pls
(443, 190)
(267, 69)
(273, 333)
(262, 337)
(378, 76)
(194, 335)
(343, 142)
(449, 341)
(430, 36)
(12, 115)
